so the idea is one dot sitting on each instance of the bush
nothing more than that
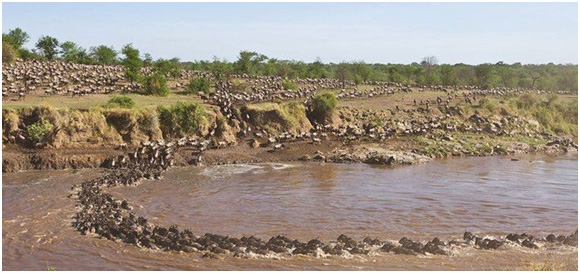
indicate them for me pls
(156, 84)
(120, 101)
(198, 85)
(38, 131)
(9, 53)
(26, 55)
(181, 119)
(288, 85)
(323, 106)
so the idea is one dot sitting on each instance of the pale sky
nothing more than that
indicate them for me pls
(470, 33)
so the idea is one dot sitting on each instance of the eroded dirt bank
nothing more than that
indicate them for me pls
(88, 139)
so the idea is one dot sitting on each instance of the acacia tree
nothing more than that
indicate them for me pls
(48, 46)
(103, 55)
(18, 37)
(535, 74)
(247, 60)
(132, 62)
(73, 53)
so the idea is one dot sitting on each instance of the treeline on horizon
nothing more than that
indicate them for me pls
(548, 77)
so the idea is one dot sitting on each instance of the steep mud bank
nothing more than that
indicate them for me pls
(268, 132)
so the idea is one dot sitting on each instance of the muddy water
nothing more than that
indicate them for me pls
(537, 194)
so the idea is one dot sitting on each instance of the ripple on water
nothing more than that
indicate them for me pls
(303, 201)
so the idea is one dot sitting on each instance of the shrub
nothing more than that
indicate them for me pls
(181, 119)
(121, 101)
(156, 84)
(294, 113)
(288, 85)
(323, 106)
(149, 122)
(37, 132)
(9, 53)
(198, 85)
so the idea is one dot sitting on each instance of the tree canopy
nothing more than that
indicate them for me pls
(549, 77)
(103, 55)
(17, 37)
(48, 47)
(132, 63)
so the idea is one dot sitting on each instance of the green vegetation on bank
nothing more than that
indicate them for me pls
(38, 131)
(322, 107)
(198, 85)
(121, 102)
(156, 84)
(277, 117)
(181, 119)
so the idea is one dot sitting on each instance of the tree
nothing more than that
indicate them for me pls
(82, 56)
(506, 74)
(147, 60)
(73, 53)
(168, 67)
(361, 72)
(448, 76)
(342, 73)
(247, 60)
(271, 67)
(568, 80)
(316, 69)
(175, 68)
(198, 85)
(48, 46)
(18, 37)
(429, 63)
(103, 55)
(483, 73)
(535, 73)
(220, 69)
(132, 62)
(465, 74)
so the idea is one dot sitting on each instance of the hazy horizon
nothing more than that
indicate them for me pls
(399, 33)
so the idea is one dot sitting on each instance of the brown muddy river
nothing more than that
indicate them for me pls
(495, 196)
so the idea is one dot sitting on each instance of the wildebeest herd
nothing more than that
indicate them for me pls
(102, 214)
(75, 80)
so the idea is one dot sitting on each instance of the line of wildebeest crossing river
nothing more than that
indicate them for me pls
(101, 213)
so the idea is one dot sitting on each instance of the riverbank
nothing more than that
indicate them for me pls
(387, 129)
(400, 151)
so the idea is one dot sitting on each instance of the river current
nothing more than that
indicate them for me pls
(536, 194)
